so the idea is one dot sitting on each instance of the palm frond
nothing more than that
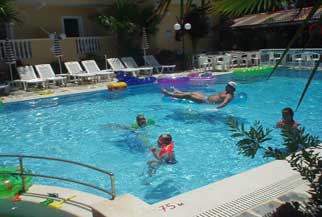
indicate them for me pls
(241, 7)
(7, 12)
(160, 10)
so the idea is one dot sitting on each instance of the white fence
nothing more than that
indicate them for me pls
(88, 45)
(21, 48)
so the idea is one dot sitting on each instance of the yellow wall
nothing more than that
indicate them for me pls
(49, 18)
(164, 39)
(41, 50)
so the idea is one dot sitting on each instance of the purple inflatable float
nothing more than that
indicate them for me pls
(173, 80)
(201, 77)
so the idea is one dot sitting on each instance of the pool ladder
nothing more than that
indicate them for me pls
(22, 173)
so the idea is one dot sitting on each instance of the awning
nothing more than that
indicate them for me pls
(279, 18)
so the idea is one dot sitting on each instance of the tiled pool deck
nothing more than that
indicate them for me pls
(250, 194)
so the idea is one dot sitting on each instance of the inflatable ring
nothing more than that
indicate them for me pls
(116, 86)
(11, 185)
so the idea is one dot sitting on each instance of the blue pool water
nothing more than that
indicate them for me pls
(82, 128)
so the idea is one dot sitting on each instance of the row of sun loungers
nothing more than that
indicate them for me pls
(130, 65)
(87, 70)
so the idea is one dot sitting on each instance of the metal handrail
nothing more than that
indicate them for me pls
(23, 174)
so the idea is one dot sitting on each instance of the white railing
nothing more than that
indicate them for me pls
(88, 45)
(21, 48)
(271, 56)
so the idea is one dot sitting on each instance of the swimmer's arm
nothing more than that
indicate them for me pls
(155, 153)
(117, 126)
(225, 102)
(279, 124)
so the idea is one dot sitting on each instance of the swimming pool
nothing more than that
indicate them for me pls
(82, 127)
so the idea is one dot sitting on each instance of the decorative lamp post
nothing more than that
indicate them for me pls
(183, 27)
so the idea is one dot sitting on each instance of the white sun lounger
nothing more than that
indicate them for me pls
(91, 67)
(46, 72)
(118, 66)
(151, 61)
(28, 76)
(76, 72)
(129, 62)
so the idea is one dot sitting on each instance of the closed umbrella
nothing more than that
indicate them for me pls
(145, 42)
(9, 56)
(58, 51)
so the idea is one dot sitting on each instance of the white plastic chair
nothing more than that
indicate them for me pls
(205, 63)
(92, 68)
(151, 61)
(76, 72)
(254, 58)
(297, 58)
(28, 76)
(234, 59)
(221, 62)
(46, 72)
(311, 58)
(129, 62)
(274, 57)
(244, 59)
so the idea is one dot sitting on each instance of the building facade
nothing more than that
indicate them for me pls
(75, 19)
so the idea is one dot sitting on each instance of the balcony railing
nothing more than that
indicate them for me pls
(21, 48)
(88, 45)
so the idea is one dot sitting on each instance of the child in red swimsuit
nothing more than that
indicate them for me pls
(166, 146)
(165, 155)
(287, 121)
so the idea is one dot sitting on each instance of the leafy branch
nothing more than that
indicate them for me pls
(303, 149)
(252, 139)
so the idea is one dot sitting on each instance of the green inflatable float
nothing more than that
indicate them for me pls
(11, 185)
(148, 123)
(257, 71)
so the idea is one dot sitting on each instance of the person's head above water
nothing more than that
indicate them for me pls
(164, 139)
(231, 87)
(288, 114)
(141, 121)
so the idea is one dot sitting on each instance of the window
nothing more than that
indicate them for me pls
(72, 26)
